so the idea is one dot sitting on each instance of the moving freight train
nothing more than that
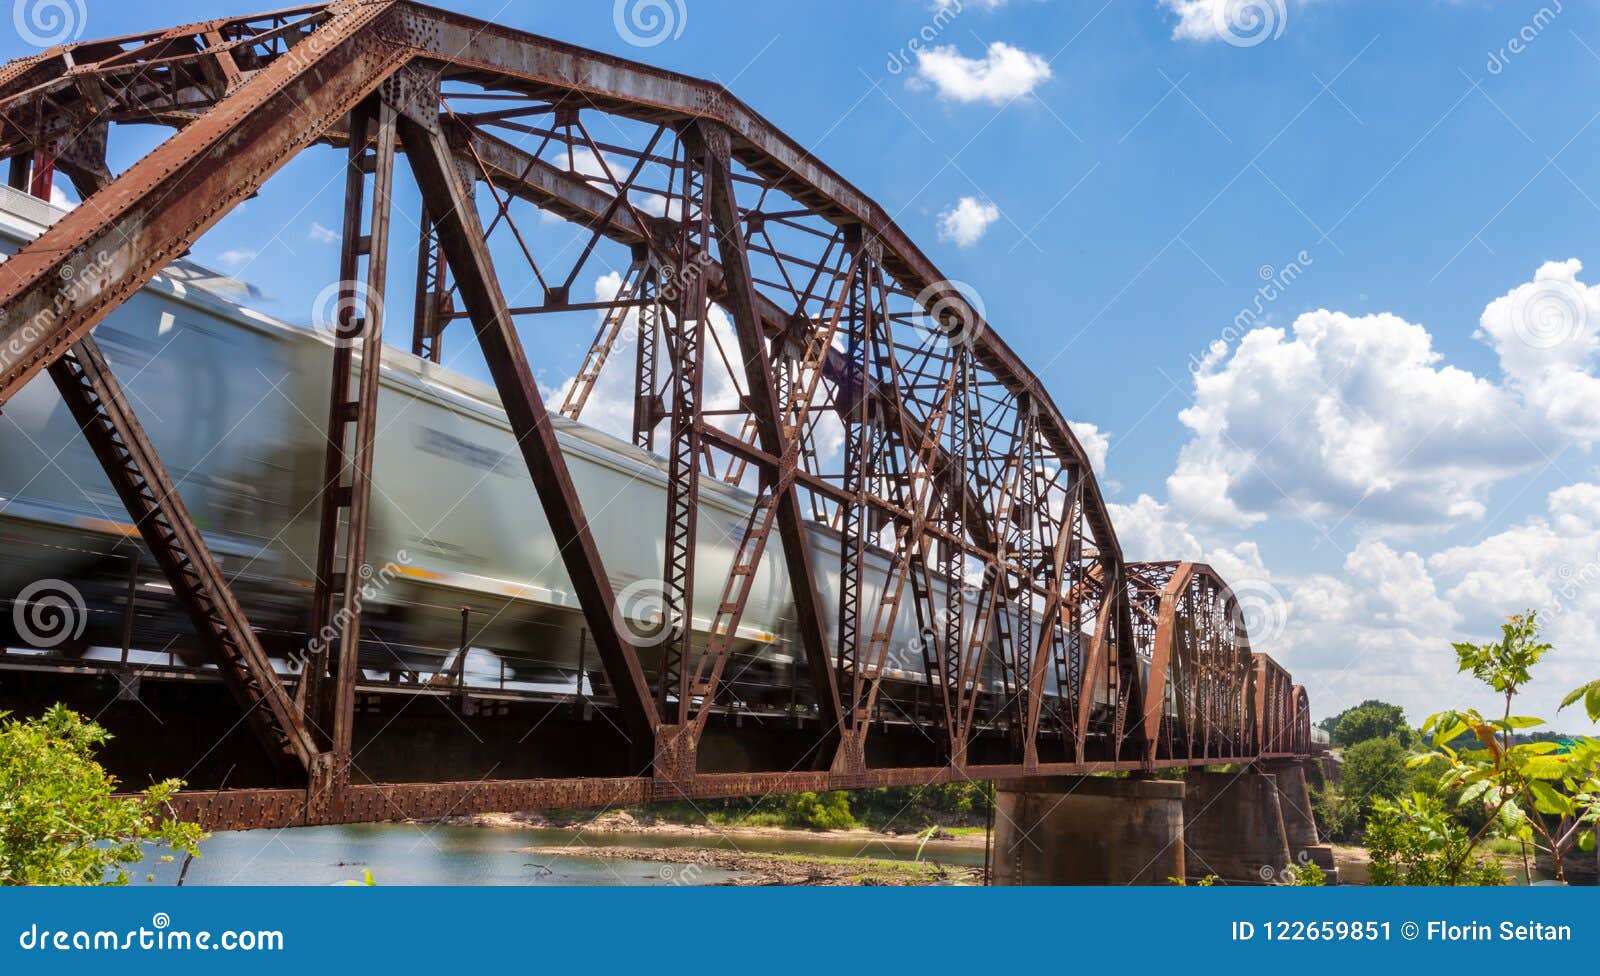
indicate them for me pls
(235, 402)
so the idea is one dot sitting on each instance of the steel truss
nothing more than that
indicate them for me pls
(1040, 651)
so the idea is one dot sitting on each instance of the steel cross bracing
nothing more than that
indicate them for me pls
(974, 616)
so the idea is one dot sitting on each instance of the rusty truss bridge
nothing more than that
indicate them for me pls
(957, 499)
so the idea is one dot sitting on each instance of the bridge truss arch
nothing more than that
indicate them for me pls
(874, 403)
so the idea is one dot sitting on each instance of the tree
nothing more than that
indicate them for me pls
(1372, 719)
(822, 811)
(1415, 841)
(1373, 770)
(1520, 785)
(60, 822)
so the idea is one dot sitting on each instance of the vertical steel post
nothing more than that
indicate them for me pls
(342, 567)
(127, 611)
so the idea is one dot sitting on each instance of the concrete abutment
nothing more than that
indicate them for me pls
(1245, 827)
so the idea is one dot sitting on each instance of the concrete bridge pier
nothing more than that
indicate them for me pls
(1089, 830)
(1294, 799)
(1248, 827)
(1234, 828)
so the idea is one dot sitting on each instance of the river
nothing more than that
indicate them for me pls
(436, 854)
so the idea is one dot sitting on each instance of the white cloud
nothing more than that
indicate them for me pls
(1236, 21)
(1383, 628)
(1547, 334)
(1002, 74)
(967, 221)
(237, 256)
(1096, 444)
(1345, 414)
(322, 235)
(59, 198)
(1348, 418)
(1149, 532)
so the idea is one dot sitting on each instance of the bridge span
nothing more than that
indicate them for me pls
(919, 581)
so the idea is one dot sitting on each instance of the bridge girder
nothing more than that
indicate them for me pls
(957, 463)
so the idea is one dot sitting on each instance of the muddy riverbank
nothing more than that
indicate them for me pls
(694, 866)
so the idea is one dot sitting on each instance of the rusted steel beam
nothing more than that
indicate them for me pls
(342, 568)
(779, 477)
(156, 210)
(762, 392)
(102, 412)
(633, 281)
(685, 341)
(467, 252)
(368, 803)
(1162, 656)
(432, 304)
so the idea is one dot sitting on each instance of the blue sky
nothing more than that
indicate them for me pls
(1383, 465)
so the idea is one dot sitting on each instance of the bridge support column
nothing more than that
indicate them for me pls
(1088, 830)
(1234, 827)
(1294, 799)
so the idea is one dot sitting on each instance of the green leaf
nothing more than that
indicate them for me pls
(1474, 793)
(1550, 801)
(1586, 842)
(1590, 695)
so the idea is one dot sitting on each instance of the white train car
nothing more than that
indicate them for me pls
(235, 402)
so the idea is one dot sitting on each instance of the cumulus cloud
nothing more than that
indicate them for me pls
(1149, 532)
(1388, 620)
(321, 234)
(236, 256)
(1004, 73)
(967, 221)
(1357, 420)
(1547, 334)
(1348, 417)
(1096, 444)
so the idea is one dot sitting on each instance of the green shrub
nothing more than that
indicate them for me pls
(60, 822)
(1415, 841)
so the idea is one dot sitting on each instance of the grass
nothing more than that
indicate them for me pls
(965, 831)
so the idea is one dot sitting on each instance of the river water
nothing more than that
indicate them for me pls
(434, 854)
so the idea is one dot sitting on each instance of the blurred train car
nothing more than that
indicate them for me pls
(235, 402)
